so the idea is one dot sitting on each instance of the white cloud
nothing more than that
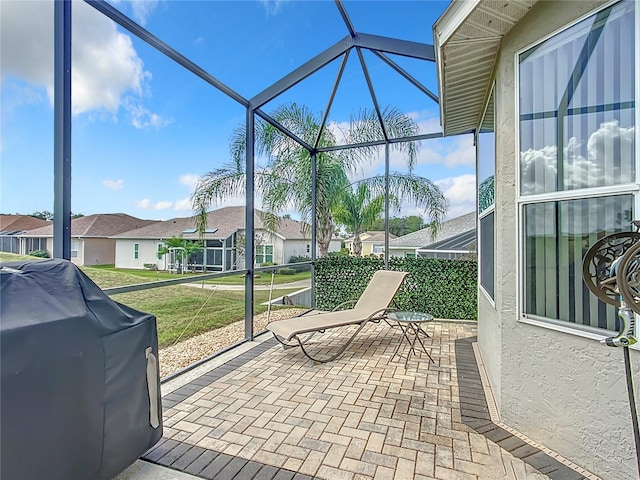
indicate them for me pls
(461, 193)
(143, 119)
(272, 6)
(114, 184)
(106, 69)
(184, 204)
(539, 168)
(142, 10)
(146, 204)
(451, 153)
(189, 179)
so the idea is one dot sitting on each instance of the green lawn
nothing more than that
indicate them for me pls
(183, 312)
(144, 276)
(10, 257)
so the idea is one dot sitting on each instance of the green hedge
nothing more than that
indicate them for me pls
(443, 288)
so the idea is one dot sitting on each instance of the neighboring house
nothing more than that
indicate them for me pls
(12, 226)
(91, 242)
(372, 243)
(223, 247)
(549, 88)
(455, 238)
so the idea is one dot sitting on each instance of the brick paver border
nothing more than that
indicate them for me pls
(473, 408)
(206, 463)
(475, 414)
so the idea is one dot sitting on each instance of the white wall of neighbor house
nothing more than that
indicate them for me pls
(302, 248)
(557, 385)
(402, 252)
(99, 251)
(296, 248)
(147, 253)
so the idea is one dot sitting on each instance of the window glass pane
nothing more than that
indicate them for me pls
(486, 160)
(217, 257)
(557, 236)
(577, 88)
(487, 253)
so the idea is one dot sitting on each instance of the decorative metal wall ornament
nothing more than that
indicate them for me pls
(598, 262)
(611, 270)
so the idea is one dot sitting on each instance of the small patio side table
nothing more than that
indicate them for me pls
(411, 325)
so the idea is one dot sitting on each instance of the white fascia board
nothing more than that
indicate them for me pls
(454, 16)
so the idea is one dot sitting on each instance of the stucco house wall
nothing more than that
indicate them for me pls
(99, 251)
(147, 253)
(558, 386)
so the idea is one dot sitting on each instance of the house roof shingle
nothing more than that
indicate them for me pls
(98, 225)
(449, 229)
(20, 223)
(372, 236)
(222, 223)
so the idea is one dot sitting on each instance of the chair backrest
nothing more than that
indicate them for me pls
(382, 287)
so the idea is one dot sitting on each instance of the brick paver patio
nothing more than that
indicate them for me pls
(273, 414)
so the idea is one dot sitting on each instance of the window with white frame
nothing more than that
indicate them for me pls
(378, 248)
(74, 248)
(486, 169)
(264, 254)
(136, 250)
(577, 169)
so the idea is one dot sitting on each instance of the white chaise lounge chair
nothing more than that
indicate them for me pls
(372, 306)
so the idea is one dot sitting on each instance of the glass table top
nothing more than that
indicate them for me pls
(406, 316)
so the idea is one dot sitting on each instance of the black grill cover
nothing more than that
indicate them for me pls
(79, 379)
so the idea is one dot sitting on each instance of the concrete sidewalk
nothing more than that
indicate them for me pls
(276, 286)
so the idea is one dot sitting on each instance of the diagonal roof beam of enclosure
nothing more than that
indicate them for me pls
(407, 76)
(148, 37)
(421, 51)
(142, 33)
(345, 17)
(372, 92)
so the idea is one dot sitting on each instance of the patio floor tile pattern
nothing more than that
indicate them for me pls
(273, 414)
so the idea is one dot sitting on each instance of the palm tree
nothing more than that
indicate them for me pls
(185, 249)
(358, 210)
(285, 178)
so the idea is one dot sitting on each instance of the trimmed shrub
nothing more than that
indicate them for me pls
(286, 271)
(39, 253)
(443, 288)
(299, 259)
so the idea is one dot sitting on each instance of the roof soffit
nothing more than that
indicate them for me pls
(467, 40)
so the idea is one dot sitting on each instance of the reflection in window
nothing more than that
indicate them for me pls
(577, 129)
(577, 109)
(557, 236)
(485, 141)
(487, 273)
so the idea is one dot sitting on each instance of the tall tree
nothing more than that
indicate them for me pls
(400, 226)
(285, 178)
(357, 211)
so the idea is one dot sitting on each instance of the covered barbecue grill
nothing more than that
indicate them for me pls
(79, 392)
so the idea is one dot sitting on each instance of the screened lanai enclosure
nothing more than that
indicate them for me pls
(357, 56)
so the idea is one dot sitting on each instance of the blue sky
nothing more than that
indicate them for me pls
(144, 129)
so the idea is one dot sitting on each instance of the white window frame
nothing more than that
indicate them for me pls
(136, 251)
(491, 209)
(585, 331)
(75, 243)
(264, 253)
